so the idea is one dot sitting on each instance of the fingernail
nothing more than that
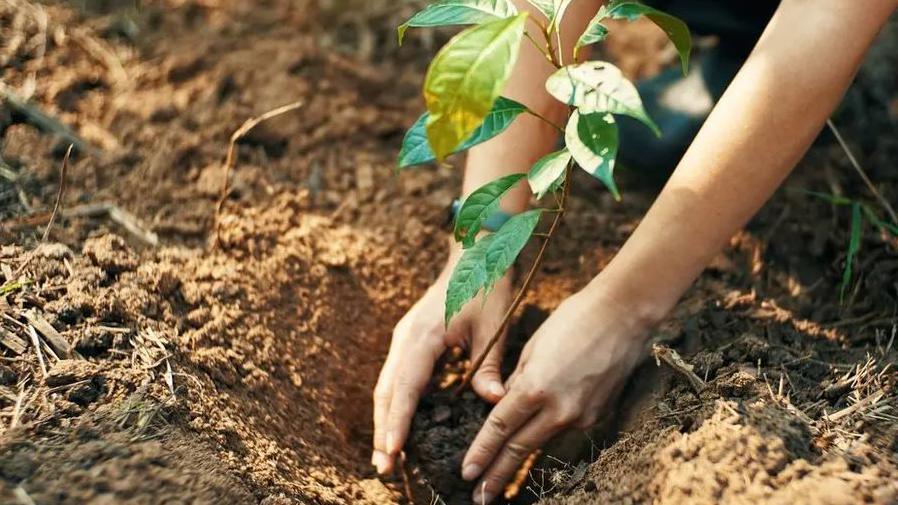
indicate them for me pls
(389, 444)
(471, 471)
(380, 461)
(496, 389)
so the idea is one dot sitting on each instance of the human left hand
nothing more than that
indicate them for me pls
(567, 373)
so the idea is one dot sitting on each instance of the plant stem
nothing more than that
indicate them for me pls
(231, 159)
(545, 119)
(857, 166)
(506, 319)
(554, 55)
(542, 51)
(560, 53)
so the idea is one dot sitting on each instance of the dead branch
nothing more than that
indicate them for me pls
(672, 359)
(117, 215)
(35, 341)
(59, 193)
(57, 342)
(43, 121)
(230, 158)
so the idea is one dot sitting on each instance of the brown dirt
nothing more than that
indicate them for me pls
(243, 374)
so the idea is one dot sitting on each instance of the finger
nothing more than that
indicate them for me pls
(487, 380)
(515, 409)
(519, 369)
(529, 438)
(412, 376)
(383, 394)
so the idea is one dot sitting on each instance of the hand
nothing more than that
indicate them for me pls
(419, 339)
(568, 371)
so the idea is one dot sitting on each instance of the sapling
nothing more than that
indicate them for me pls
(462, 92)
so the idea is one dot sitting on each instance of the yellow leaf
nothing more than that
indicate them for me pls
(466, 77)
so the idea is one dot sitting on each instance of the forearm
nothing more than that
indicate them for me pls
(528, 138)
(759, 130)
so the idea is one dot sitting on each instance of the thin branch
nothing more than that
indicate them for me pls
(553, 53)
(62, 174)
(539, 48)
(230, 159)
(673, 360)
(542, 27)
(857, 167)
(544, 119)
(59, 193)
(506, 319)
(42, 121)
(560, 52)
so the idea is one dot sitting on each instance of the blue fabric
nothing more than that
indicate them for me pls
(492, 223)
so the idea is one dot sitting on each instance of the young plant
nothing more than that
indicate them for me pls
(859, 211)
(464, 108)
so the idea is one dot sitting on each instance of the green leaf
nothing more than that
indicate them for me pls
(482, 264)
(459, 12)
(833, 199)
(416, 150)
(598, 86)
(9, 287)
(553, 10)
(854, 244)
(595, 31)
(560, 8)
(593, 141)
(479, 205)
(547, 7)
(879, 223)
(466, 77)
(547, 174)
(674, 27)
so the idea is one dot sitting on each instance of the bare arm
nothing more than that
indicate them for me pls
(762, 125)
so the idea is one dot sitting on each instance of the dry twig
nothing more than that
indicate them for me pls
(43, 121)
(59, 193)
(35, 340)
(672, 359)
(119, 216)
(863, 174)
(231, 157)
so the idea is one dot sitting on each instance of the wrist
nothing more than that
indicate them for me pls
(640, 304)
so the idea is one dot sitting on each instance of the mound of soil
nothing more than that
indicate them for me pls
(140, 364)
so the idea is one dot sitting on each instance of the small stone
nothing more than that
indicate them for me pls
(87, 392)
(7, 376)
(441, 414)
(94, 342)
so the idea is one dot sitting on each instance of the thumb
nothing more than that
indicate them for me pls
(487, 380)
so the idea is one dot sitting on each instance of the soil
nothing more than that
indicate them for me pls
(140, 364)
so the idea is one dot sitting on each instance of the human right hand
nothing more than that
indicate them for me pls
(419, 339)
